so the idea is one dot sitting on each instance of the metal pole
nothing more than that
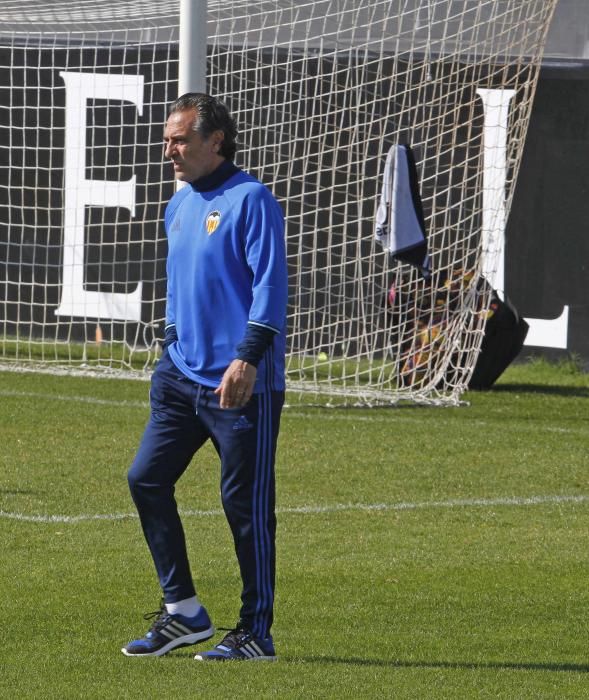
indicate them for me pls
(192, 50)
(192, 55)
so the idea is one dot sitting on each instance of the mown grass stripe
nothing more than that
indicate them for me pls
(397, 417)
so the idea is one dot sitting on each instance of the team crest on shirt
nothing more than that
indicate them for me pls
(212, 221)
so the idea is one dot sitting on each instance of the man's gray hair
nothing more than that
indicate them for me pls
(212, 115)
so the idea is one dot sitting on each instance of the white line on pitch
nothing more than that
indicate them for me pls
(75, 399)
(508, 501)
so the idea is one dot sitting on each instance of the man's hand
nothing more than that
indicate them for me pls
(237, 384)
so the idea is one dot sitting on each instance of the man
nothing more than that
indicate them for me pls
(220, 377)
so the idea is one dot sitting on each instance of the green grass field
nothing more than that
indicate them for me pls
(423, 552)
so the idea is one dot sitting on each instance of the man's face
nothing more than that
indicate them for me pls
(192, 155)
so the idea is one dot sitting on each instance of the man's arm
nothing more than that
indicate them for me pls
(266, 258)
(239, 379)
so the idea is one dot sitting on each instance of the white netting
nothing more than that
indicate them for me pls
(321, 91)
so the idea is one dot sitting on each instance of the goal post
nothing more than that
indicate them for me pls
(321, 92)
(192, 46)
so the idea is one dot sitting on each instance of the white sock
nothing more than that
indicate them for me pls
(188, 607)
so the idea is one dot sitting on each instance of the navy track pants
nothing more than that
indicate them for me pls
(184, 415)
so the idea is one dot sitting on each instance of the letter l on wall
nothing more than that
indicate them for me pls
(546, 333)
(80, 192)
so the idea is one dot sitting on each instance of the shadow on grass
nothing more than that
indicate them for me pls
(399, 663)
(571, 391)
(467, 665)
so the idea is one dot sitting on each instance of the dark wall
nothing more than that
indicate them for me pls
(547, 238)
(547, 247)
(119, 250)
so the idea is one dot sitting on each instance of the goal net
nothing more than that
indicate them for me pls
(321, 91)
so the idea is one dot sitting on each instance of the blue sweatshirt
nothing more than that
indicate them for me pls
(227, 277)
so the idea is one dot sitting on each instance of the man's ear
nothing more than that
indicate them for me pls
(218, 138)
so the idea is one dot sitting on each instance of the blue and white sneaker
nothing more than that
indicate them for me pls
(170, 632)
(240, 645)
